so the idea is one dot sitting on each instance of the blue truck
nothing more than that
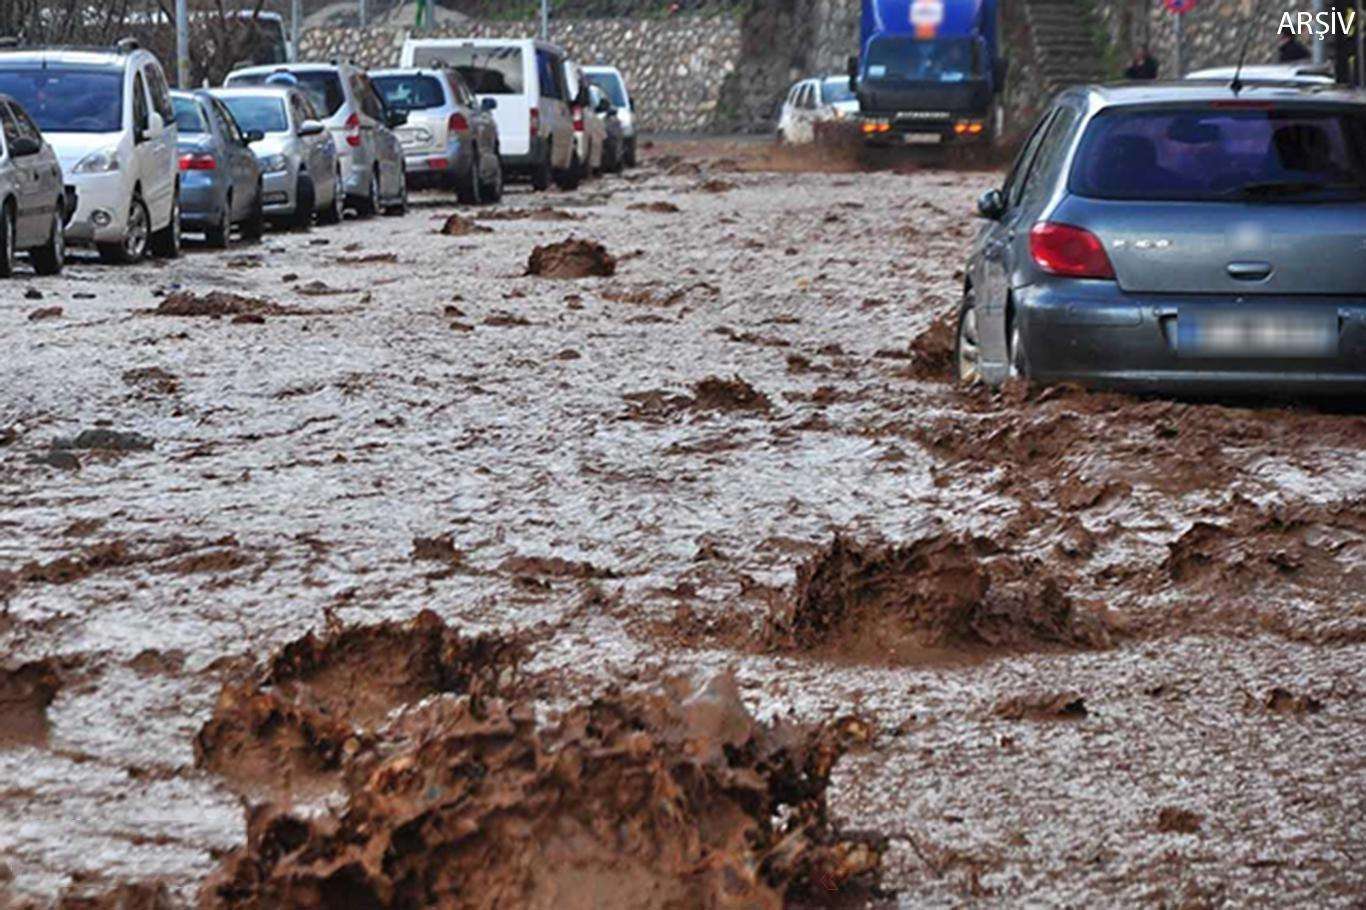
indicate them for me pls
(929, 71)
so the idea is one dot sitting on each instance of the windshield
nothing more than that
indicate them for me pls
(323, 87)
(907, 59)
(1220, 153)
(488, 70)
(611, 84)
(252, 114)
(836, 89)
(188, 117)
(410, 93)
(68, 100)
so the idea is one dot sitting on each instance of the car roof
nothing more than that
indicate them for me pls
(485, 42)
(113, 59)
(1197, 90)
(1289, 72)
(601, 68)
(230, 91)
(293, 68)
(409, 71)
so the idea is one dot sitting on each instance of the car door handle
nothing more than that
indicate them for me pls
(1249, 271)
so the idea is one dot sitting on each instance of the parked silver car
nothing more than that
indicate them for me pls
(610, 80)
(1178, 236)
(220, 178)
(614, 135)
(451, 138)
(361, 126)
(33, 205)
(302, 172)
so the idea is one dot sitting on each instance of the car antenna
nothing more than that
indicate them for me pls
(1236, 85)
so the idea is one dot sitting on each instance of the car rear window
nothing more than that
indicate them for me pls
(1223, 153)
(488, 70)
(611, 84)
(68, 100)
(410, 93)
(252, 114)
(323, 87)
(188, 117)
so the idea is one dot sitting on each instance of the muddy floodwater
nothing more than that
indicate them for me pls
(666, 495)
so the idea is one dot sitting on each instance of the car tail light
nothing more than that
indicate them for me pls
(578, 119)
(198, 162)
(353, 130)
(535, 121)
(1063, 249)
(458, 123)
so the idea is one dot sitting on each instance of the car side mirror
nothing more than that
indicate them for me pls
(396, 118)
(256, 135)
(605, 107)
(155, 126)
(488, 104)
(991, 205)
(311, 128)
(24, 146)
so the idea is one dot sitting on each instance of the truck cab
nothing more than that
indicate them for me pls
(929, 72)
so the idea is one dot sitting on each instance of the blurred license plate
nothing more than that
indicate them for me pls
(1257, 335)
(923, 138)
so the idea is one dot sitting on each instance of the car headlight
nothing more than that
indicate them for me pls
(101, 162)
(272, 163)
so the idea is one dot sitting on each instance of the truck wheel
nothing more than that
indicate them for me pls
(540, 175)
(569, 178)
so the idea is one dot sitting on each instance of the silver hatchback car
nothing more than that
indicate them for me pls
(1178, 237)
(33, 202)
(360, 123)
(301, 170)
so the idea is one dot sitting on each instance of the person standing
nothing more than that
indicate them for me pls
(1291, 50)
(1143, 66)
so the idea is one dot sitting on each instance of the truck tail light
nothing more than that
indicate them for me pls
(535, 122)
(578, 119)
(1070, 251)
(353, 130)
(458, 123)
(198, 162)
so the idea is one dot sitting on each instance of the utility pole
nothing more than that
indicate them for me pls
(361, 13)
(1180, 64)
(182, 44)
(545, 20)
(1317, 47)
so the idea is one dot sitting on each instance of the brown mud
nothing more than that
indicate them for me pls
(571, 258)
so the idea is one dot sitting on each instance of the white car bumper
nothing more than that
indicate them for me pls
(102, 202)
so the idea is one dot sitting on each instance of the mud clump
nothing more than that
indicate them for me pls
(714, 185)
(215, 304)
(554, 567)
(1175, 820)
(67, 569)
(658, 208)
(436, 549)
(932, 351)
(1042, 706)
(734, 394)
(152, 380)
(541, 213)
(107, 440)
(25, 693)
(933, 593)
(460, 226)
(571, 258)
(660, 799)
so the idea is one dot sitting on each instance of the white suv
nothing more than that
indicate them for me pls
(108, 116)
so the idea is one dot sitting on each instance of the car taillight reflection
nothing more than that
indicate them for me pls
(1070, 251)
(457, 123)
(198, 162)
(353, 130)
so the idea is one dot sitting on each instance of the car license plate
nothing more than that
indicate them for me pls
(923, 138)
(1257, 335)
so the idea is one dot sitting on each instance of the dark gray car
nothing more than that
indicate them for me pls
(220, 178)
(33, 204)
(1177, 237)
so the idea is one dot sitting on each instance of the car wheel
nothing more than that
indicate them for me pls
(569, 178)
(49, 258)
(134, 245)
(334, 213)
(400, 207)
(255, 225)
(967, 347)
(1019, 357)
(304, 197)
(165, 243)
(467, 187)
(492, 191)
(540, 175)
(219, 235)
(7, 249)
(369, 205)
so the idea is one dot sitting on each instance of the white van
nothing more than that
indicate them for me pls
(108, 115)
(527, 79)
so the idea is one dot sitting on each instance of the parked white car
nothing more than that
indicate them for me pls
(812, 101)
(1299, 73)
(613, 85)
(108, 116)
(361, 125)
(589, 133)
(527, 78)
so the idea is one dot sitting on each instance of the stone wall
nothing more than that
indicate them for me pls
(674, 67)
(1212, 33)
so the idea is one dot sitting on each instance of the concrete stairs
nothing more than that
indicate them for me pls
(1064, 41)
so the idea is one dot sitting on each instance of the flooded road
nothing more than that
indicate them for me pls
(1110, 650)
